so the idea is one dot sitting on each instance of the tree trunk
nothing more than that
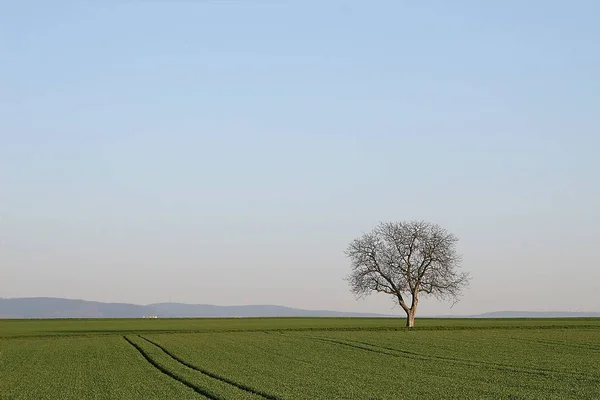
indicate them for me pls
(410, 319)
(410, 312)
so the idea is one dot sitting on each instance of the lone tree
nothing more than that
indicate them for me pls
(407, 258)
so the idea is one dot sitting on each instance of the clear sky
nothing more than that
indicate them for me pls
(226, 152)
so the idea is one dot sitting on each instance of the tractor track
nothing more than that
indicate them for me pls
(240, 386)
(196, 388)
(424, 357)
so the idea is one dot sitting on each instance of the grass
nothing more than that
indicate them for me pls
(300, 358)
(70, 327)
(81, 368)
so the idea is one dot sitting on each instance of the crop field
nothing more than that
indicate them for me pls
(300, 358)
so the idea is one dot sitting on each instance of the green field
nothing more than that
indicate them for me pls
(300, 358)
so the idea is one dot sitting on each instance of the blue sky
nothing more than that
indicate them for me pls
(226, 152)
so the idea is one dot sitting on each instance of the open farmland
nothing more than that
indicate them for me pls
(299, 358)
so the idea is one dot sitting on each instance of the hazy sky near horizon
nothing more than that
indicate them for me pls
(226, 152)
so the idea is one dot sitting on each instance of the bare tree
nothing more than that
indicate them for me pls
(407, 259)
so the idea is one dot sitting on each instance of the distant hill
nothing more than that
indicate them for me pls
(47, 307)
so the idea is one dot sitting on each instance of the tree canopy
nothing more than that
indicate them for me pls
(405, 260)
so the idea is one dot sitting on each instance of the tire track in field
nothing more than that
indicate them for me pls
(496, 365)
(240, 386)
(389, 351)
(529, 370)
(170, 374)
(558, 343)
